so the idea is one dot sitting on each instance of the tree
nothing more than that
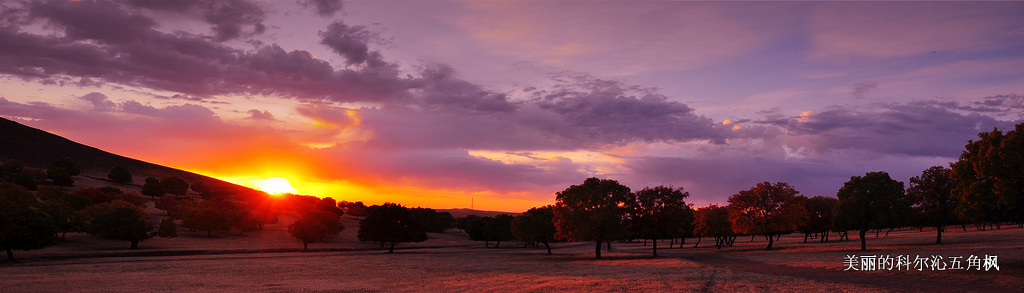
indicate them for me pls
(536, 225)
(872, 201)
(934, 202)
(591, 211)
(818, 219)
(989, 177)
(206, 216)
(22, 228)
(357, 209)
(315, 225)
(499, 229)
(119, 220)
(120, 175)
(65, 209)
(153, 188)
(16, 195)
(68, 165)
(390, 223)
(167, 228)
(658, 213)
(174, 185)
(766, 209)
(713, 221)
(60, 176)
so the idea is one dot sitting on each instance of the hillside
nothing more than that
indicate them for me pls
(38, 148)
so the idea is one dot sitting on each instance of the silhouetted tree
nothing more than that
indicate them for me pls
(167, 228)
(119, 220)
(934, 202)
(766, 209)
(819, 216)
(462, 223)
(591, 211)
(431, 220)
(872, 201)
(153, 188)
(989, 177)
(390, 223)
(69, 166)
(23, 228)
(16, 195)
(65, 209)
(206, 216)
(499, 229)
(536, 225)
(60, 176)
(713, 221)
(174, 185)
(315, 225)
(658, 213)
(357, 209)
(120, 175)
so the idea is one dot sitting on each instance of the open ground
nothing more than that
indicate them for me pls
(269, 260)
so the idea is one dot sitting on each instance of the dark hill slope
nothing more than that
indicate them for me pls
(38, 148)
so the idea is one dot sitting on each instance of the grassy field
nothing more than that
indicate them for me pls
(269, 260)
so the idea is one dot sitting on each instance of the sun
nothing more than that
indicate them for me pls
(274, 185)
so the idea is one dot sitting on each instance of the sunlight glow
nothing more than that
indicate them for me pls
(274, 185)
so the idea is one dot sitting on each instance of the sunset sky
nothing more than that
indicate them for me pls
(440, 103)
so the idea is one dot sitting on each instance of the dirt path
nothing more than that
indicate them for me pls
(895, 282)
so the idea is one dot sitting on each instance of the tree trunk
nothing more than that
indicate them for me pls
(487, 243)
(672, 241)
(770, 241)
(10, 255)
(698, 242)
(863, 241)
(497, 244)
(209, 233)
(938, 234)
(645, 241)
(597, 249)
(548, 246)
(609, 243)
(805, 238)
(392, 249)
(778, 236)
(135, 244)
(655, 246)
(305, 246)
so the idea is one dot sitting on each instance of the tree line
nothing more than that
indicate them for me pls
(984, 188)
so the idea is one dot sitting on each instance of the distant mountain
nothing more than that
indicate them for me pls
(38, 148)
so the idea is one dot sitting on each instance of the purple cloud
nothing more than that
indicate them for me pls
(325, 8)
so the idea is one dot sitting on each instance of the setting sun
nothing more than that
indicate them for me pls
(274, 185)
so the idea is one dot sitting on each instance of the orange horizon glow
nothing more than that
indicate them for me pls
(342, 190)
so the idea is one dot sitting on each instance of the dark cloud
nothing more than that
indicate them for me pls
(189, 64)
(349, 42)
(255, 114)
(915, 129)
(862, 88)
(99, 101)
(325, 8)
(229, 19)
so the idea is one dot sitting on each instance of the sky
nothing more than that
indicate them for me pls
(498, 105)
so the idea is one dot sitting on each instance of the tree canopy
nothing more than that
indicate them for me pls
(591, 211)
(989, 177)
(153, 188)
(766, 209)
(658, 213)
(713, 221)
(120, 175)
(390, 223)
(934, 202)
(174, 185)
(535, 225)
(314, 225)
(119, 220)
(872, 201)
